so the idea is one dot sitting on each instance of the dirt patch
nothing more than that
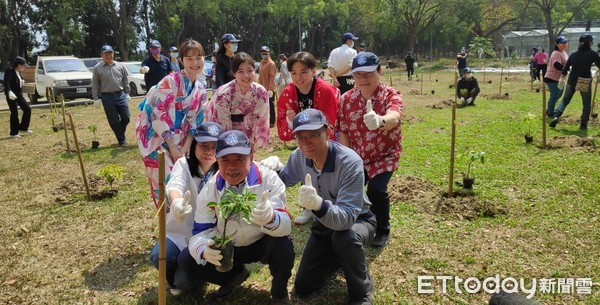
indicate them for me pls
(441, 104)
(587, 144)
(68, 191)
(429, 199)
(410, 119)
(415, 92)
(504, 96)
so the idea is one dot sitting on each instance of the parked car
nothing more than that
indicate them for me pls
(91, 62)
(136, 79)
(1, 81)
(208, 65)
(67, 75)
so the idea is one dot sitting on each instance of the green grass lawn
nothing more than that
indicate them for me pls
(57, 248)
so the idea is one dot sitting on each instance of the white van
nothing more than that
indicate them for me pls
(68, 75)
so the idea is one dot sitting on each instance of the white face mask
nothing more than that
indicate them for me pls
(264, 56)
(234, 47)
(352, 44)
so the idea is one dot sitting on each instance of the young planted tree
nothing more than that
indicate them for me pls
(472, 156)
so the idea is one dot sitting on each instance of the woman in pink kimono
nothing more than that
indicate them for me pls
(170, 114)
(242, 104)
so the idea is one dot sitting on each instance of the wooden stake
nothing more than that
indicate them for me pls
(62, 104)
(421, 83)
(453, 141)
(52, 114)
(543, 115)
(85, 182)
(501, 78)
(484, 71)
(592, 113)
(162, 236)
(391, 84)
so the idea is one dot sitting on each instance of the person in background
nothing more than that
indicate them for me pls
(242, 104)
(223, 73)
(266, 239)
(13, 88)
(558, 59)
(155, 66)
(306, 91)
(174, 53)
(188, 177)
(461, 61)
(410, 65)
(171, 113)
(110, 86)
(285, 77)
(467, 88)
(362, 47)
(369, 119)
(579, 63)
(533, 64)
(340, 63)
(541, 59)
(266, 77)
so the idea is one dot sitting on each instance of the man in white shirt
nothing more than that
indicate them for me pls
(340, 63)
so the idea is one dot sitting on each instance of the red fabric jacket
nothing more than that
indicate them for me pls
(326, 98)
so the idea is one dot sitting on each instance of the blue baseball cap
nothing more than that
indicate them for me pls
(561, 39)
(208, 132)
(155, 43)
(265, 49)
(365, 62)
(309, 119)
(233, 142)
(173, 49)
(467, 70)
(347, 36)
(106, 48)
(229, 38)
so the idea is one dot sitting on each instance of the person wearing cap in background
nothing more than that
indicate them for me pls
(155, 66)
(242, 104)
(410, 65)
(339, 63)
(189, 175)
(541, 59)
(13, 88)
(533, 64)
(467, 88)
(333, 190)
(266, 239)
(306, 91)
(558, 59)
(110, 86)
(170, 115)
(461, 61)
(266, 77)
(223, 72)
(369, 118)
(174, 53)
(579, 63)
(362, 47)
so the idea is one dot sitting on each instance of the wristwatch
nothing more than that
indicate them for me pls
(382, 123)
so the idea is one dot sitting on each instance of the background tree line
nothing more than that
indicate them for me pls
(429, 28)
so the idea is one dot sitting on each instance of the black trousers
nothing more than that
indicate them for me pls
(380, 200)
(346, 83)
(14, 105)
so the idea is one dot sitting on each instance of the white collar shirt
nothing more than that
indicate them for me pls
(341, 58)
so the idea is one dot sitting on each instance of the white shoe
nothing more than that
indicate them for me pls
(176, 292)
(15, 136)
(27, 132)
(304, 217)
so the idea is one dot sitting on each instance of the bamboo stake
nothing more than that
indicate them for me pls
(162, 248)
(391, 84)
(484, 71)
(52, 114)
(421, 83)
(543, 115)
(453, 140)
(501, 78)
(62, 104)
(594, 115)
(85, 182)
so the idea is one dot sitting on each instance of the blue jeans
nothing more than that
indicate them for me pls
(172, 255)
(117, 113)
(555, 94)
(586, 99)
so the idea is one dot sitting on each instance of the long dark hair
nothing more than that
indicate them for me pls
(194, 163)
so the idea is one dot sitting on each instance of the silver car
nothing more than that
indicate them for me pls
(136, 79)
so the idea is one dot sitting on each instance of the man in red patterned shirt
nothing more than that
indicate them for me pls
(369, 122)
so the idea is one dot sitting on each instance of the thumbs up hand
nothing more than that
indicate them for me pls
(181, 207)
(262, 213)
(308, 197)
(290, 114)
(372, 119)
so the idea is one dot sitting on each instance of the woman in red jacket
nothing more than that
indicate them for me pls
(306, 91)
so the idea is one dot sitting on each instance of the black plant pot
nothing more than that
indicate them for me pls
(55, 129)
(528, 139)
(227, 260)
(95, 144)
(468, 183)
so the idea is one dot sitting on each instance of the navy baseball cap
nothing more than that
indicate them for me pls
(365, 62)
(561, 39)
(233, 142)
(467, 70)
(173, 49)
(21, 61)
(155, 43)
(586, 38)
(347, 36)
(309, 119)
(229, 38)
(106, 48)
(265, 49)
(208, 132)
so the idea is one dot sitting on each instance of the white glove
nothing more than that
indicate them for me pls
(144, 69)
(372, 119)
(211, 255)
(462, 100)
(270, 94)
(181, 207)
(308, 197)
(272, 162)
(128, 98)
(469, 100)
(562, 82)
(97, 103)
(262, 213)
(11, 95)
